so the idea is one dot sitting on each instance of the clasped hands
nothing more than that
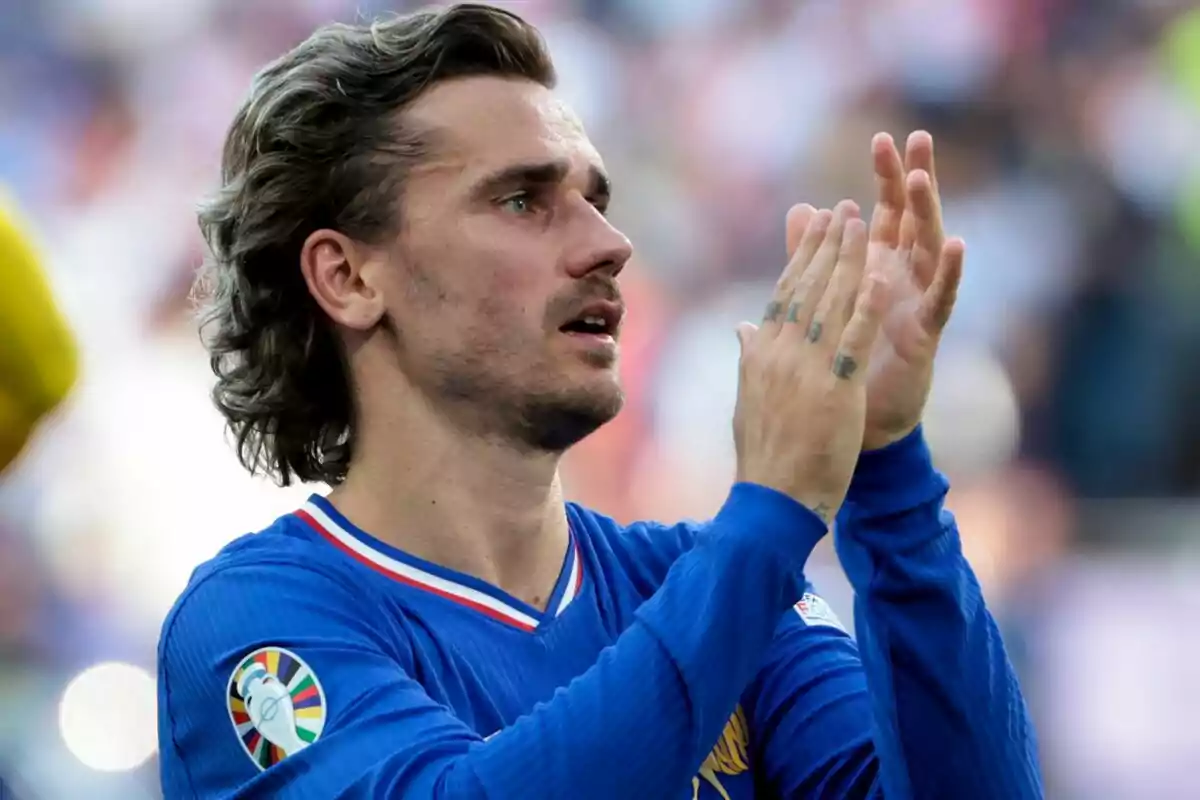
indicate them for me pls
(921, 267)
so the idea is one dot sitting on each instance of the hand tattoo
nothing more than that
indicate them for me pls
(844, 366)
(814, 331)
(774, 312)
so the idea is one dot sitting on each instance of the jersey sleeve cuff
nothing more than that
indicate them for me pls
(789, 529)
(895, 479)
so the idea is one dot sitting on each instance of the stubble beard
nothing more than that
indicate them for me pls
(473, 389)
(542, 420)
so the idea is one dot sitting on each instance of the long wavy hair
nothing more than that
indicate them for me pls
(320, 142)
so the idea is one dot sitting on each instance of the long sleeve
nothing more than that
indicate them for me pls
(810, 712)
(949, 720)
(636, 724)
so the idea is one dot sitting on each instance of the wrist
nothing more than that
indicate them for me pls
(897, 477)
(878, 440)
(769, 518)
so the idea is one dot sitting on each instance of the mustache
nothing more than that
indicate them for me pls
(570, 304)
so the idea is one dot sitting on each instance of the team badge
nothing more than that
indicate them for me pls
(815, 611)
(276, 704)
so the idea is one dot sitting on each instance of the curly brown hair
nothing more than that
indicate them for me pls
(319, 143)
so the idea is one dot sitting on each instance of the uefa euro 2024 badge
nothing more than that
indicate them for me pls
(276, 704)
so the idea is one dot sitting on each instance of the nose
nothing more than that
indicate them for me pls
(598, 246)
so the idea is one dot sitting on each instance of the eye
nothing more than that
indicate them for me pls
(522, 202)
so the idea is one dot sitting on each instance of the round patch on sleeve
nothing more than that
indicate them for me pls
(815, 611)
(276, 704)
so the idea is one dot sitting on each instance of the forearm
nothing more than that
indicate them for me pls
(950, 717)
(656, 701)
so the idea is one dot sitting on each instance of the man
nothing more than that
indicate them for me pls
(38, 360)
(415, 300)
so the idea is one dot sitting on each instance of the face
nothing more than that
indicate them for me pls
(502, 289)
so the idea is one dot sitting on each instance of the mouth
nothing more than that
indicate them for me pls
(597, 322)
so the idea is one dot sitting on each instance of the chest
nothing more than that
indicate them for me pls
(490, 675)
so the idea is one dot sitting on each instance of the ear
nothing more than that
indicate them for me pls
(339, 276)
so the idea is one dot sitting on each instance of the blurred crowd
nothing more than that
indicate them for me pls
(1066, 405)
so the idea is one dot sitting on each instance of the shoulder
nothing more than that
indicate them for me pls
(645, 550)
(262, 584)
(648, 536)
(273, 609)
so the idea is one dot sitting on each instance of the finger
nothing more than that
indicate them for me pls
(745, 332)
(798, 218)
(854, 348)
(837, 304)
(918, 155)
(938, 301)
(929, 235)
(891, 197)
(812, 286)
(777, 309)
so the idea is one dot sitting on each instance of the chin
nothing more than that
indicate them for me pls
(554, 421)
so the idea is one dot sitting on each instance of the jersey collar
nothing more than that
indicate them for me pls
(465, 590)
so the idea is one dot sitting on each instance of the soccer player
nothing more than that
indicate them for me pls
(415, 300)
(38, 359)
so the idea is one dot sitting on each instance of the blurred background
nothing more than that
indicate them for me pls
(1067, 406)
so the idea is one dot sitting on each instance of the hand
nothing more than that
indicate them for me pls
(922, 269)
(801, 405)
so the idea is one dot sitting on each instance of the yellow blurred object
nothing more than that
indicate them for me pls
(38, 359)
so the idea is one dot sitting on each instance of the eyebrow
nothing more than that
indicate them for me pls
(546, 173)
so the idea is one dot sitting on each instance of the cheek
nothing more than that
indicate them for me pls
(511, 300)
(498, 280)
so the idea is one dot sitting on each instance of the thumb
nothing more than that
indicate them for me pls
(939, 298)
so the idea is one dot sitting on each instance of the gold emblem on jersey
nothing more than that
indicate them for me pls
(729, 756)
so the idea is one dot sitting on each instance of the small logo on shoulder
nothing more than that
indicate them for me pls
(815, 611)
(276, 704)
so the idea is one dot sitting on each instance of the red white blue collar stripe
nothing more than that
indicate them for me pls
(465, 590)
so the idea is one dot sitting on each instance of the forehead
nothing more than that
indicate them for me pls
(485, 123)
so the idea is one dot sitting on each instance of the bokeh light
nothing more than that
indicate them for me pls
(107, 717)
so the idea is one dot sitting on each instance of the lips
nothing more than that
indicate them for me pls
(596, 319)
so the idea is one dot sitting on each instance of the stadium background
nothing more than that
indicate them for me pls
(1067, 409)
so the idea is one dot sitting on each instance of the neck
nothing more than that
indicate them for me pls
(480, 507)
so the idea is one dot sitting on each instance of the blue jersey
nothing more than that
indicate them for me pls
(312, 660)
